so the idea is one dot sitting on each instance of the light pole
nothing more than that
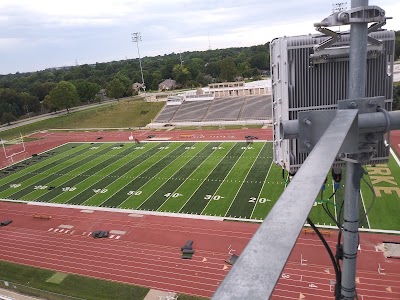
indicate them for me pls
(136, 37)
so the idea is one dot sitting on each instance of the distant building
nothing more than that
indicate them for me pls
(137, 86)
(238, 89)
(167, 85)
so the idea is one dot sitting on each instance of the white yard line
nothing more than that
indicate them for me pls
(183, 153)
(216, 191)
(146, 171)
(365, 211)
(334, 197)
(83, 171)
(265, 180)
(36, 165)
(101, 178)
(205, 177)
(244, 179)
(187, 176)
(395, 156)
(138, 165)
(48, 172)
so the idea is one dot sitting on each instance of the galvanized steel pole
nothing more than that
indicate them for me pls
(357, 81)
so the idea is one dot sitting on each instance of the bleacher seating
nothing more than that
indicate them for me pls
(230, 109)
(225, 109)
(257, 107)
(167, 113)
(191, 111)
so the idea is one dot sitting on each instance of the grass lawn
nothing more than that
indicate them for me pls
(34, 283)
(127, 113)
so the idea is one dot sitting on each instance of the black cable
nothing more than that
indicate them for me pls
(335, 266)
(328, 212)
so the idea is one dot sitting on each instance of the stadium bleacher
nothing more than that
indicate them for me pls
(230, 109)
(257, 107)
(191, 111)
(167, 113)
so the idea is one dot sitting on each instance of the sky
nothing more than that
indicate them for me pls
(40, 34)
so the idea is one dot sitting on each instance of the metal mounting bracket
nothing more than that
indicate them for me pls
(313, 124)
(363, 14)
(322, 52)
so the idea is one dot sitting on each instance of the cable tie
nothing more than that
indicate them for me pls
(350, 256)
(350, 221)
(351, 231)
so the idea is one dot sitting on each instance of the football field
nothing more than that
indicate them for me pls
(226, 179)
(216, 178)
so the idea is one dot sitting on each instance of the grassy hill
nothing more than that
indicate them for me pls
(123, 114)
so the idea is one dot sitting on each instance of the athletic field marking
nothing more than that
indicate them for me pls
(154, 177)
(205, 177)
(216, 191)
(162, 185)
(129, 256)
(41, 164)
(140, 188)
(188, 178)
(133, 177)
(395, 155)
(74, 160)
(365, 211)
(334, 198)
(114, 170)
(244, 179)
(265, 180)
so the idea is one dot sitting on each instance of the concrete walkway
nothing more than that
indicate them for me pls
(8, 295)
(160, 295)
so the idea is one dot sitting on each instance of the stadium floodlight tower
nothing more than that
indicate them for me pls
(332, 96)
(136, 37)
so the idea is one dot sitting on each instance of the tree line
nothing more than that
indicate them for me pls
(26, 93)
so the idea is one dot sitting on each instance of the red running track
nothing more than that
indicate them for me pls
(148, 254)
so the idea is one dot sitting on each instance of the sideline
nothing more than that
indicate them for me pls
(395, 156)
(178, 215)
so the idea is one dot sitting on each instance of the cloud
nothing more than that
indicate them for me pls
(99, 30)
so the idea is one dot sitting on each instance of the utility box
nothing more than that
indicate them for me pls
(305, 79)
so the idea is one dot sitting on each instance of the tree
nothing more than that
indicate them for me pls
(228, 69)
(157, 79)
(30, 103)
(49, 104)
(41, 90)
(64, 95)
(181, 74)
(115, 89)
(214, 69)
(203, 79)
(11, 101)
(7, 118)
(260, 61)
(124, 80)
(397, 45)
(98, 99)
(86, 90)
